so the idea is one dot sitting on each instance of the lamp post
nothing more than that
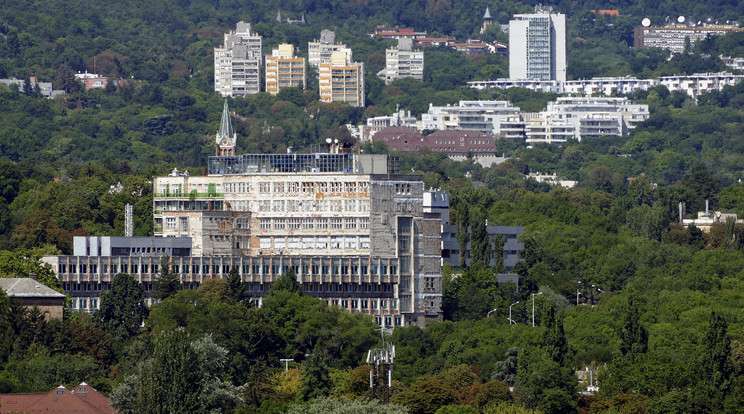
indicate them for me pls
(533, 307)
(511, 321)
(577, 297)
(490, 312)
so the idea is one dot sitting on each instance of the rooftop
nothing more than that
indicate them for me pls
(27, 288)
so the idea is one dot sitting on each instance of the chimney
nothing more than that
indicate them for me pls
(706, 207)
(32, 276)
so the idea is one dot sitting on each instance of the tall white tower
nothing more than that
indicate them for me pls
(537, 45)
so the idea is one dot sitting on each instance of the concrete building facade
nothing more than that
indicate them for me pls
(284, 70)
(237, 64)
(674, 37)
(320, 50)
(403, 62)
(537, 45)
(342, 80)
(484, 116)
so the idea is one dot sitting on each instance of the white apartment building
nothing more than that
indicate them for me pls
(237, 64)
(531, 84)
(537, 45)
(674, 37)
(485, 116)
(403, 62)
(320, 50)
(699, 83)
(576, 118)
(284, 69)
(342, 80)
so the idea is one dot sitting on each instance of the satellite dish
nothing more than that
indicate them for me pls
(646, 22)
(681, 19)
(328, 140)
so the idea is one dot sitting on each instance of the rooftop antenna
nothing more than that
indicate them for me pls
(381, 376)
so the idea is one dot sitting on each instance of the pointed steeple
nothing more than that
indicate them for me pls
(487, 16)
(226, 138)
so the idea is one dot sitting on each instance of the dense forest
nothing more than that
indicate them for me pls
(651, 308)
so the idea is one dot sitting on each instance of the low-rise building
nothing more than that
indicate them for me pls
(576, 118)
(484, 116)
(390, 33)
(82, 399)
(696, 84)
(31, 293)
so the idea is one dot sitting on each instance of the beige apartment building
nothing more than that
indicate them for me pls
(284, 70)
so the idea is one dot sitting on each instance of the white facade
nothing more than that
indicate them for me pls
(237, 64)
(320, 51)
(403, 62)
(485, 116)
(537, 46)
(575, 118)
(699, 83)
(351, 228)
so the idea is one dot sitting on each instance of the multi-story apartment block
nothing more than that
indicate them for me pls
(320, 51)
(342, 80)
(237, 64)
(403, 62)
(537, 45)
(284, 70)
(675, 36)
(485, 116)
(569, 118)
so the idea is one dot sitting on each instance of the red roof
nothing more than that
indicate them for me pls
(83, 399)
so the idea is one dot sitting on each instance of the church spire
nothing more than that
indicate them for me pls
(487, 16)
(226, 137)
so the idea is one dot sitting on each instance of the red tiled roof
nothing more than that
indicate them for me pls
(57, 401)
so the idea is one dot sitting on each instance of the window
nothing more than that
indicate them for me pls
(184, 223)
(264, 223)
(265, 242)
(335, 223)
(336, 242)
(293, 243)
(279, 243)
(293, 224)
(170, 222)
(350, 223)
(307, 224)
(364, 243)
(264, 205)
(364, 222)
(308, 242)
(321, 223)
(278, 224)
(278, 187)
(277, 206)
(322, 243)
(350, 243)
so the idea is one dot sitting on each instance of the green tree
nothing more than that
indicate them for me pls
(330, 405)
(238, 289)
(287, 282)
(633, 335)
(168, 283)
(716, 356)
(316, 381)
(122, 308)
(554, 338)
(480, 245)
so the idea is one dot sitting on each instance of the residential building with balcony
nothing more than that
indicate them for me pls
(342, 80)
(284, 70)
(237, 63)
(320, 50)
(403, 62)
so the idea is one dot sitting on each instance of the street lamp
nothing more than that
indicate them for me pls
(577, 297)
(511, 321)
(533, 307)
(490, 312)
